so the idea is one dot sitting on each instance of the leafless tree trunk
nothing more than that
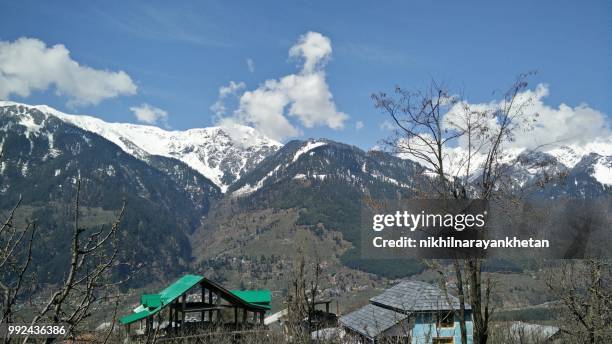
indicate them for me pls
(303, 296)
(87, 285)
(458, 274)
(584, 289)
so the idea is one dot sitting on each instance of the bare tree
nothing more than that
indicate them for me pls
(16, 244)
(88, 283)
(421, 132)
(302, 300)
(93, 256)
(584, 289)
(12, 239)
(15, 260)
(427, 123)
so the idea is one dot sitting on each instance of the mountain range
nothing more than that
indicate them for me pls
(184, 189)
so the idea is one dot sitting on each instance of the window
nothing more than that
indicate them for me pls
(445, 340)
(446, 320)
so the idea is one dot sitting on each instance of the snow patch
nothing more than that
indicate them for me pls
(389, 180)
(53, 152)
(306, 148)
(31, 127)
(602, 170)
(572, 154)
(248, 189)
(299, 176)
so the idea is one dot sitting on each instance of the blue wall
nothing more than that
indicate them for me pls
(425, 329)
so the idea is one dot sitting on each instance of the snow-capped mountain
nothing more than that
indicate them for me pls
(225, 156)
(573, 171)
(591, 163)
(214, 152)
(322, 161)
(42, 157)
(527, 165)
(602, 170)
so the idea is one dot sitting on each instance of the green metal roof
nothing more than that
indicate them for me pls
(151, 300)
(153, 303)
(128, 319)
(257, 297)
(179, 287)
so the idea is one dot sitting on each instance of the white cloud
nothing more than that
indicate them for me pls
(563, 125)
(149, 114)
(232, 88)
(250, 65)
(304, 96)
(314, 48)
(28, 65)
(577, 127)
(359, 125)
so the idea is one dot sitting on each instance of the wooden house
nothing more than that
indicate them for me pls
(194, 303)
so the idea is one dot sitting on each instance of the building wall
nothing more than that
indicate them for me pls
(425, 329)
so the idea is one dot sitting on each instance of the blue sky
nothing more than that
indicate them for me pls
(178, 54)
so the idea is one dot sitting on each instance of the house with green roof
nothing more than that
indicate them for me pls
(195, 302)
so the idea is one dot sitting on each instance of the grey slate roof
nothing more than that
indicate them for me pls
(371, 320)
(414, 296)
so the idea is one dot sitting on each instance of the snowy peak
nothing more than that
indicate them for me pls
(284, 161)
(310, 145)
(528, 165)
(220, 154)
(570, 155)
(602, 170)
(593, 159)
(319, 161)
(210, 151)
(225, 155)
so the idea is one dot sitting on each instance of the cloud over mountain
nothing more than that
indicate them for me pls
(304, 96)
(563, 125)
(149, 114)
(580, 129)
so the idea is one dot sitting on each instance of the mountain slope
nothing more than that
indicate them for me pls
(324, 161)
(558, 173)
(322, 184)
(529, 166)
(43, 156)
(216, 154)
(589, 178)
(303, 199)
